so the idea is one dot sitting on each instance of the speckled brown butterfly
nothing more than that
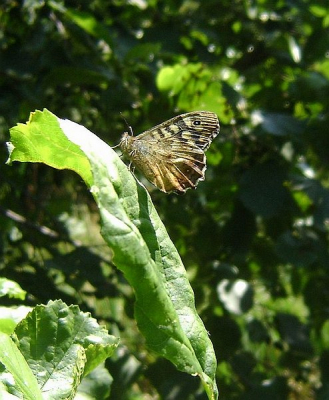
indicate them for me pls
(172, 154)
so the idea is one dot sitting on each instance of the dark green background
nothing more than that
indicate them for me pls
(253, 236)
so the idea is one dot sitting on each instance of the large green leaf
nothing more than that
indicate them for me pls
(61, 345)
(164, 309)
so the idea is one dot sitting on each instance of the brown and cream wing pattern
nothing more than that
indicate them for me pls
(171, 155)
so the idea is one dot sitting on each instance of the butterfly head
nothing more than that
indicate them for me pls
(125, 143)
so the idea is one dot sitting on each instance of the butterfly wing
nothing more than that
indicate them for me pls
(172, 173)
(199, 126)
(171, 155)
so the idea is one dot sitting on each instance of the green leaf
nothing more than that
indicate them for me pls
(60, 344)
(280, 124)
(318, 11)
(77, 76)
(96, 385)
(171, 78)
(85, 21)
(11, 289)
(165, 309)
(42, 140)
(143, 51)
(212, 98)
(16, 365)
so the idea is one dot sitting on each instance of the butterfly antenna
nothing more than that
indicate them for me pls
(128, 126)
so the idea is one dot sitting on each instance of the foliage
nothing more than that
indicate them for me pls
(54, 346)
(253, 237)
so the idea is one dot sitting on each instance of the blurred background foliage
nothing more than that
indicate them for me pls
(253, 236)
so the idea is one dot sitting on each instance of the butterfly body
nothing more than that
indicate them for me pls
(171, 155)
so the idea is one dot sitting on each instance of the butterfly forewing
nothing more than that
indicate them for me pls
(171, 155)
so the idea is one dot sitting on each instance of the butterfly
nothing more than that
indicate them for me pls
(172, 154)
